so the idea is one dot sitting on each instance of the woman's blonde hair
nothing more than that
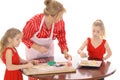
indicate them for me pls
(53, 7)
(10, 33)
(100, 23)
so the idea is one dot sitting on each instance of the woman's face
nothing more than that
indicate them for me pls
(96, 31)
(54, 19)
(58, 17)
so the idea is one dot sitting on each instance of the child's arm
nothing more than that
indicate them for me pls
(109, 52)
(80, 50)
(82, 46)
(22, 60)
(31, 61)
(11, 66)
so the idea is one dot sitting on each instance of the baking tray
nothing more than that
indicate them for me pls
(90, 63)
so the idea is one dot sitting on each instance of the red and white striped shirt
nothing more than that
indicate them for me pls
(32, 26)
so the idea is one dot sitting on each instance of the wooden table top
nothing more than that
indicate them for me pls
(82, 73)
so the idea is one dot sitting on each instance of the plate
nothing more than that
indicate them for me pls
(90, 63)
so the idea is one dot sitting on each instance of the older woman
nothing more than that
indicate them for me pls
(40, 31)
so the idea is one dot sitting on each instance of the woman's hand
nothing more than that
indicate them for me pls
(43, 49)
(39, 48)
(104, 58)
(67, 56)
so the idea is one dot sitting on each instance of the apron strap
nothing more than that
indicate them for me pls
(41, 27)
(51, 35)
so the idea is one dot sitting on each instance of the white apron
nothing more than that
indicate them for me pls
(46, 42)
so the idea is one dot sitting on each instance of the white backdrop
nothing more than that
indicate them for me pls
(78, 20)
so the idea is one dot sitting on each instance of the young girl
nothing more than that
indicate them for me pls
(97, 45)
(9, 55)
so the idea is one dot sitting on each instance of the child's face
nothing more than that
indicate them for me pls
(16, 40)
(96, 31)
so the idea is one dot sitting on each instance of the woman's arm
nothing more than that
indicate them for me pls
(61, 36)
(28, 32)
(31, 27)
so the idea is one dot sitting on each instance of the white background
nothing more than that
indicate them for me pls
(78, 20)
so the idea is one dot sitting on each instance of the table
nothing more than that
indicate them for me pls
(105, 70)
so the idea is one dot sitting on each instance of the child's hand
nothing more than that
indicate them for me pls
(34, 62)
(29, 65)
(82, 54)
(78, 51)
